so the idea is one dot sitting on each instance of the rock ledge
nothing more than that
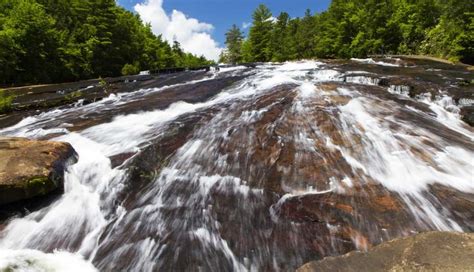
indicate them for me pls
(430, 251)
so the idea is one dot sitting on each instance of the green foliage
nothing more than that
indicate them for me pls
(259, 35)
(247, 51)
(358, 28)
(224, 57)
(130, 69)
(39, 186)
(29, 44)
(104, 85)
(74, 96)
(304, 43)
(279, 43)
(453, 35)
(6, 101)
(234, 38)
(43, 41)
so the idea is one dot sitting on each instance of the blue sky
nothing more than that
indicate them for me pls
(218, 15)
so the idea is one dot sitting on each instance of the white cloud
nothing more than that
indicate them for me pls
(272, 19)
(194, 36)
(246, 25)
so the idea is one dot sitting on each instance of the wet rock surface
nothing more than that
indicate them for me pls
(421, 79)
(431, 251)
(257, 205)
(258, 169)
(48, 96)
(37, 99)
(31, 168)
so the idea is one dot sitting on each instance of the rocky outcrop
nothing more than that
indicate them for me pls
(30, 168)
(431, 251)
(278, 143)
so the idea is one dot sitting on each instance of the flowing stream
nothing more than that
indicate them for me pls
(289, 163)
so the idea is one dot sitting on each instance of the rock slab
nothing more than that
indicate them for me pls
(430, 251)
(30, 168)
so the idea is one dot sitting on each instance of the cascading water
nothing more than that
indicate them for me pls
(289, 164)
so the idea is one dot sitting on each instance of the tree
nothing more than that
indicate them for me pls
(247, 51)
(357, 28)
(64, 40)
(178, 54)
(29, 44)
(453, 36)
(412, 20)
(101, 23)
(234, 39)
(224, 57)
(260, 34)
(303, 36)
(281, 38)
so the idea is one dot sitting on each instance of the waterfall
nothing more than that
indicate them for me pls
(215, 184)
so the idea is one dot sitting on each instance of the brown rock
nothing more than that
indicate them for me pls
(430, 251)
(30, 168)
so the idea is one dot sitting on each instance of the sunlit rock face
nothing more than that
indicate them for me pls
(257, 169)
(30, 169)
(429, 251)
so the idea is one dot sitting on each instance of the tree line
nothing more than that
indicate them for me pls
(44, 41)
(358, 28)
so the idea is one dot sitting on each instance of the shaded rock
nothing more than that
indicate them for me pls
(467, 114)
(431, 251)
(30, 168)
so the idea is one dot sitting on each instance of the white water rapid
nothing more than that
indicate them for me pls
(340, 138)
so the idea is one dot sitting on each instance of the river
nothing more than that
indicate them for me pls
(249, 169)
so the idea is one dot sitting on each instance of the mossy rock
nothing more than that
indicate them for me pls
(30, 168)
(29, 188)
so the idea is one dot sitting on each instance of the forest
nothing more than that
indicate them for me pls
(358, 28)
(46, 41)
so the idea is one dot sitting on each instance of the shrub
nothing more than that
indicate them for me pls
(6, 101)
(74, 96)
(104, 85)
(130, 69)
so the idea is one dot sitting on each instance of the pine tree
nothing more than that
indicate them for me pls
(303, 36)
(260, 34)
(234, 39)
(247, 51)
(280, 38)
